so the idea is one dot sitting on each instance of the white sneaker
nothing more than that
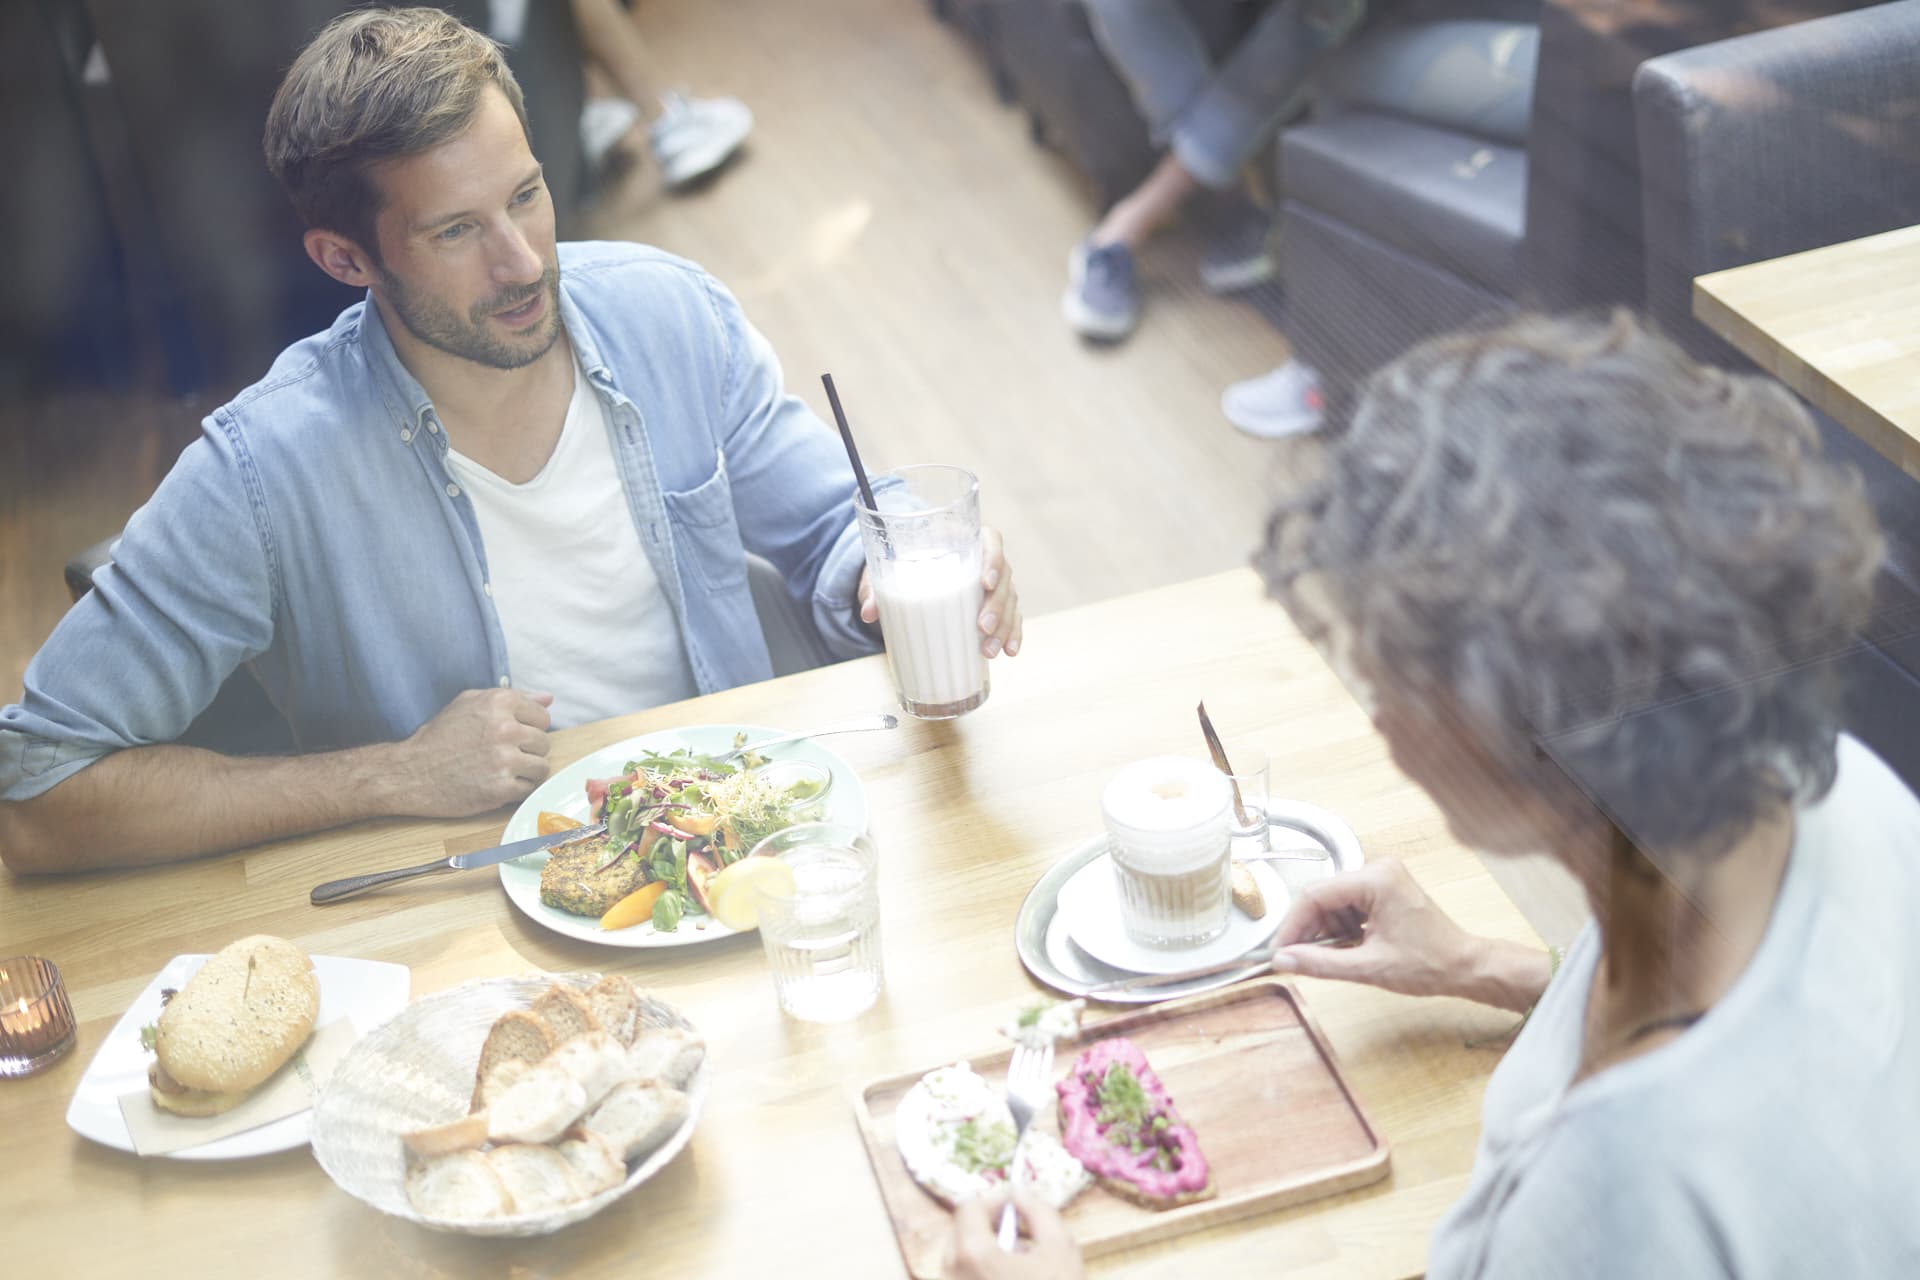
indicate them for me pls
(1284, 402)
(695, 136)
(603, 122)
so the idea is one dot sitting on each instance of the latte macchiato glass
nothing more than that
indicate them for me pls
(1169, 824)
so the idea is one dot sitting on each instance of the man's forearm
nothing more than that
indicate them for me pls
(158, 804)
(1507, 975)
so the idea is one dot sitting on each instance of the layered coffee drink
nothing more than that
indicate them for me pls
(1169, 824)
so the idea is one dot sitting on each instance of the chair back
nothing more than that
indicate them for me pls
(1773, 143)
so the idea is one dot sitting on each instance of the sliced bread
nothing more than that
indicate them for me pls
(615, 1003)
(1118, 1120)
(462, 1186)
(538, 1107)
(596, 1060)
(502, 1078)
(666, 1055)
(538, 1178)
(516, 1036)
(468, 1133)
(566, 1012)
(595, 1163)
(637, 1117)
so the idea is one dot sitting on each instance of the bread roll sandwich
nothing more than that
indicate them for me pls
(235, 1022)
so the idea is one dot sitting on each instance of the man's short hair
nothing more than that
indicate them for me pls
(376, 84)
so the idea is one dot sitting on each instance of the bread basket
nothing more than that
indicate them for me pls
(417, 1070)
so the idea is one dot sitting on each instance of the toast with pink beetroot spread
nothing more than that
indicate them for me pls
(1117, 1120)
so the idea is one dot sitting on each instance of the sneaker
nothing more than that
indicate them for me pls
(1103, 293)
(1284, 402)
(1240, 253)
(603, 122)
(695, 136)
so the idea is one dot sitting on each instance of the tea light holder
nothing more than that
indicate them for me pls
(36, 1020)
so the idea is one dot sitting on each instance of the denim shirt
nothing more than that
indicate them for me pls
(313, 532)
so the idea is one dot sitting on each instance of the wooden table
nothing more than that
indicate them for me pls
(1840, 325)
(967, 815)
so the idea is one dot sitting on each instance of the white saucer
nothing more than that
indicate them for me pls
(1090, 906)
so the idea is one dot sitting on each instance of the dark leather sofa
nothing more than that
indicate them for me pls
(1399, 228)
(1773, 143)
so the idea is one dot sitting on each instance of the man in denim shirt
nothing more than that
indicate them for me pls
(516, 457)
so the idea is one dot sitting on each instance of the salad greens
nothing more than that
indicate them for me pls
(978, 1147)
(687, 816)
(1127, 1115)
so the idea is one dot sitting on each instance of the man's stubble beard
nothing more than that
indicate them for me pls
(437, 325)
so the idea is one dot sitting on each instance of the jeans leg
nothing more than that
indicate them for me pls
(1247, 100)
(1157, 51)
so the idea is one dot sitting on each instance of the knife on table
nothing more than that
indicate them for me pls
(335, 890)
(1253, 962)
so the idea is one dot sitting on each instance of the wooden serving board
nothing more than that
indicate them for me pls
(1247, 1069)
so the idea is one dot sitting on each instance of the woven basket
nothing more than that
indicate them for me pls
(417, 1071)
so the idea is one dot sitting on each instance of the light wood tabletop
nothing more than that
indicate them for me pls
(967, 815)
(1840, 325)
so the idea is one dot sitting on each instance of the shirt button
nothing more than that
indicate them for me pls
(504, 682)
(488, 588)
(406, 437)
(453, 490)
(433, 425)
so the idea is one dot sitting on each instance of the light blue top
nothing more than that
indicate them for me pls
(313, 531)
(1779, 1136)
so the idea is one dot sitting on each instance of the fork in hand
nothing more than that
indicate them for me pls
(1029, 1089)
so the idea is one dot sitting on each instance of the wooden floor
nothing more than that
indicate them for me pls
(891, 223)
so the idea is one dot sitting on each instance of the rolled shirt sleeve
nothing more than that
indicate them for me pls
(187, 600)
(793, 487)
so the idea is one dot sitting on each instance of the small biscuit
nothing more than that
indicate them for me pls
(1246, 892)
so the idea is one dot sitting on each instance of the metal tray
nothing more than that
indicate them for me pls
(1056, 960)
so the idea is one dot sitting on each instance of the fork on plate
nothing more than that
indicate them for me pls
(1029, 1089)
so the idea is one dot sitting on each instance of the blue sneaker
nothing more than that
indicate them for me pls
(1240, 252)
(1103, 292)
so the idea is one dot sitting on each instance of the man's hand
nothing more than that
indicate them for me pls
(1050, 1255)
(1000, 620)
(1408, 945)
(486, 748)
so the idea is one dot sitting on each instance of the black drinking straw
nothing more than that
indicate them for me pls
(853, 456)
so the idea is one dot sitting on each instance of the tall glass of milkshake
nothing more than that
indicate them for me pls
(1169, 828)
(923, 553)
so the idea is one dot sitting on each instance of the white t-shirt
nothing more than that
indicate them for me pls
(584, 615)
(1779, 1136)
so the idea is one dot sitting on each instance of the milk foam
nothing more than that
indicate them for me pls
(1168, 813)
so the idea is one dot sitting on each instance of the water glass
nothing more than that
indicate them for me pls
(1251, 778)
(923, 558)
(823, 936)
